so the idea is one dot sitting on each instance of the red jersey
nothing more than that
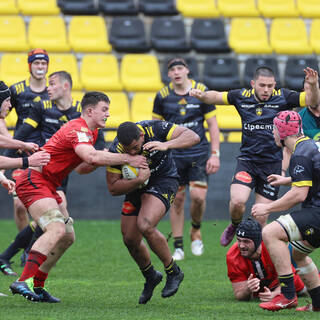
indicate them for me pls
(240, 268)
(61, 148)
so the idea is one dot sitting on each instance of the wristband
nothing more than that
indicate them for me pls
(2, 177)
(215, 153)
(25, 163)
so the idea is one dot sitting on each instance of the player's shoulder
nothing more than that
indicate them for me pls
(198, 85)
(18, 87)
(76, 105)
(165, 91)
(233, 252)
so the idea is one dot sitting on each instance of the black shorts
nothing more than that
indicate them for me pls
(192, 169)
(308, 223)
(163, 188)
(254, 175)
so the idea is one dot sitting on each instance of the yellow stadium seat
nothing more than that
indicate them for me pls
(249, 35)
(228, 117)
(309, 8)
(13, 34)
(48, 32)
(236, 8)
(289, 36)
(315, 35)
(198, 9)
(221, 136)
(140, 72)
(142, 105)
(278, 8)
(38, 7)
(11, 119)
(14, 68)
(234, 137)
(100, 72)
(77, 95)
(110, 135)
(8, 7)
(66, 62)
(119, 109)
(88, 34)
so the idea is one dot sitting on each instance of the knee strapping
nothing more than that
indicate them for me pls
(53, 215)
(307, 269)
(69, 224)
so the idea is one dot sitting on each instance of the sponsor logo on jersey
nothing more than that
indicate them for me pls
(82, 137)
(243, 176)
(182, 101)
(252, 127)
(298, 169)
(259, 111)
(50, 120)
(84, 129)
(248, 106)
(128, 207)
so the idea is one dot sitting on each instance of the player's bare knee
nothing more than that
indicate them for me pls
(237, 204)
(130, 242)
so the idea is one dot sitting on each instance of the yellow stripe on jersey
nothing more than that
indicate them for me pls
(31, 122)
(302, 99)
(78, 106)
(120, 148)
(302, 184)
(47, 104)
(164, 92)
(210, 114)
(225, 97)
(169, 135)
(158, 116)
(113, 170)
(19, 87)
(151, 132)
(298, 141)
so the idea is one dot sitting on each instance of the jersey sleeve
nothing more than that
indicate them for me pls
(300, 170)
(294, 99)
(100, 143)
(163, 130)
(35, 115)
(157, 107)
(231, 97)
(235, 272)
(113, 149)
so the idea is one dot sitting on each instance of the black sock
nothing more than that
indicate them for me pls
(148, 271)
(178, 242)
(172, 268)
(236, 222)
(196, 225)
(315, 296)
(287, 286)
(37, 233)
(20, 242)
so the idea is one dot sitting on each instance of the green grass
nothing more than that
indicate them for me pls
(97, 279)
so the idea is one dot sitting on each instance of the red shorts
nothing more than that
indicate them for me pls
(32, 186)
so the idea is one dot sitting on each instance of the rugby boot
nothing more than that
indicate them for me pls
(5, 267)
(45, 296)
(279, 302)
(149, 286)
(174, 278)
(178, 254)
(309, 307)
(197, 247)
(21, 287)
(228, 235)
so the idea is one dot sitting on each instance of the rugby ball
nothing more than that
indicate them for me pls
(129, 172)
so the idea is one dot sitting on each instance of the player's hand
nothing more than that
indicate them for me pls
(30, 147)
(155, 145)
(276, 179)
(9, 185)
(213, 165)
(138, 162)
(311, 76)
(197, 93)
(266, 295)
(38, 159)
(144, 174)
(260, 209)
(253, 283)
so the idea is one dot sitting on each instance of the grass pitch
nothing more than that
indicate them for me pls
(97, 279)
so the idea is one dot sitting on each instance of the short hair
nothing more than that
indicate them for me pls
(64, 76)
(92, 98)
(264, 72)
(127, 132)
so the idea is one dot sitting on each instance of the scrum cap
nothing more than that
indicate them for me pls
(4, 92)
(288, 123)
(37, 54)
(250, 229)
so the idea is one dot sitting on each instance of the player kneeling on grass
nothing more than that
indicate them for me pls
(145, 206)
(250, 268)
(300, 227)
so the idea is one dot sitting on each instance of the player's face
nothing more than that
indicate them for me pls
(178, 74)
(135, 147)
(39, 69)
(6, 105)
(263, 87)
(55, 88)
(246, 247)
(277, 137)
(100, 113)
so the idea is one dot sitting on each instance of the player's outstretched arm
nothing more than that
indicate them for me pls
(208, 97)
(312, 91)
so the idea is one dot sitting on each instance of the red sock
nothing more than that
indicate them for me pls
(39, 279)
(35, 260)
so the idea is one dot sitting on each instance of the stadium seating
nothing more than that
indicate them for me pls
(221, 73)
(100, 72)
(249, 35)
(13, 68)
(193, 68)
(289, 36)
(168, 35)
(8, 7)
(294, 74)
(309, 8)
(66, 62)
(13, 34)
(157, 7)
(236, 8)
(140, 72)
(278, 8)
(11, 119)
(119, 109)
(118, 7)
(88, 34)
(228, 117)
(77, 95)
(127, 34)
(253, 63)
(78, 7)
(142, 105)
(38, 7)
(48, 32)
(315, 35)
(198, 9)
(208, 36)
(234, 137)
